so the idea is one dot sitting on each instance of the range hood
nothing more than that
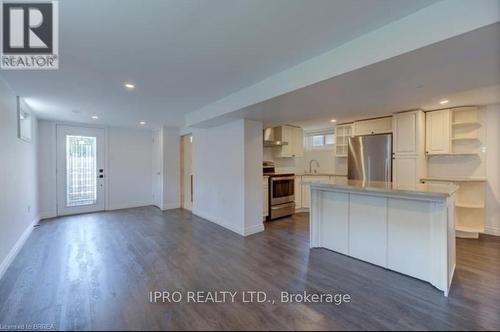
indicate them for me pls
(272, 137)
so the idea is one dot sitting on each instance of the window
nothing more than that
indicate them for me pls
(81, 170)
(322, 140)
(329, 139)
(318, 140)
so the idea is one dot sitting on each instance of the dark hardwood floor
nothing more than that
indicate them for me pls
(95, 271)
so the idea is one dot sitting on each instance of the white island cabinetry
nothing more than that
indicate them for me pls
(408, 229)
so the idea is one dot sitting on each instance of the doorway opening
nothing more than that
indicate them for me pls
(187, 185)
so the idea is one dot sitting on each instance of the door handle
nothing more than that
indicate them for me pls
(101, 176)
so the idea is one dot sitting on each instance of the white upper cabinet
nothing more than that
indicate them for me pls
(438, 130)
(373, 126)
(408, 130)
(294, 136)
(284, 134)
(297, 142)
(342, 133)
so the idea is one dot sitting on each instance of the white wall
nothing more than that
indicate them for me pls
(18, 180)
(325, 157)
(492, 224)
(299, 165)
(227, 173)
(129, 168)
(253, 176)
(47, 169)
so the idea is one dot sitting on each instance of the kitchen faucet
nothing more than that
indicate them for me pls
(310, 165)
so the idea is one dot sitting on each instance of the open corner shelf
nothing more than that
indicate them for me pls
(467, 123)
(469, 206)
(465, 139)
(455, 154)
(466, 229)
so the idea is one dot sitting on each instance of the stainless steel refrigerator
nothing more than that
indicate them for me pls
(369, 158)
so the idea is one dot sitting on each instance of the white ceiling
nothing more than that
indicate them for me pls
(463, 69)
(182, 55)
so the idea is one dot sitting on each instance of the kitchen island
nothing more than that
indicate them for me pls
(408, 229)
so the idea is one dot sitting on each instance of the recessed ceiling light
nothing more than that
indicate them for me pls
(142, 122)
(95, 117)
(129, 86)
(333, 120)
(443, 102)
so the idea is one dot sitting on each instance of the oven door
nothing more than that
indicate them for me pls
(282, 190)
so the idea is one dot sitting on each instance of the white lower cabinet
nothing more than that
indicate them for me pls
(405, 170)
(368, 228)
(297, 192)
(408, 237)
(413, 234)
(265, 197)
(306, 190)
(306, 196)
(334, 221)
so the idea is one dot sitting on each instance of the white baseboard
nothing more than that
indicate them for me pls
(492, 230)
(219, 222)
(122, 206)
(171, 206)
(17, 247)
(253, 229)
(238, 230)
(47, 215)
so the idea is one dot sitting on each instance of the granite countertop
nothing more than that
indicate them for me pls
(424, 190)
(454, 179)
(320, 174)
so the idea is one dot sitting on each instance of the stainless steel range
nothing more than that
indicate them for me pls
(281, 192)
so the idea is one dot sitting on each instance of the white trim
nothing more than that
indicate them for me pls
(219, 222)
(186, 204)
(47, 215)
(253, 229)
(492, 230)
(17, 247)
(238, 230)
(170, 206)
(121, 206)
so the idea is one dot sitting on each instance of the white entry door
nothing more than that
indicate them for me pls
(80, 170)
